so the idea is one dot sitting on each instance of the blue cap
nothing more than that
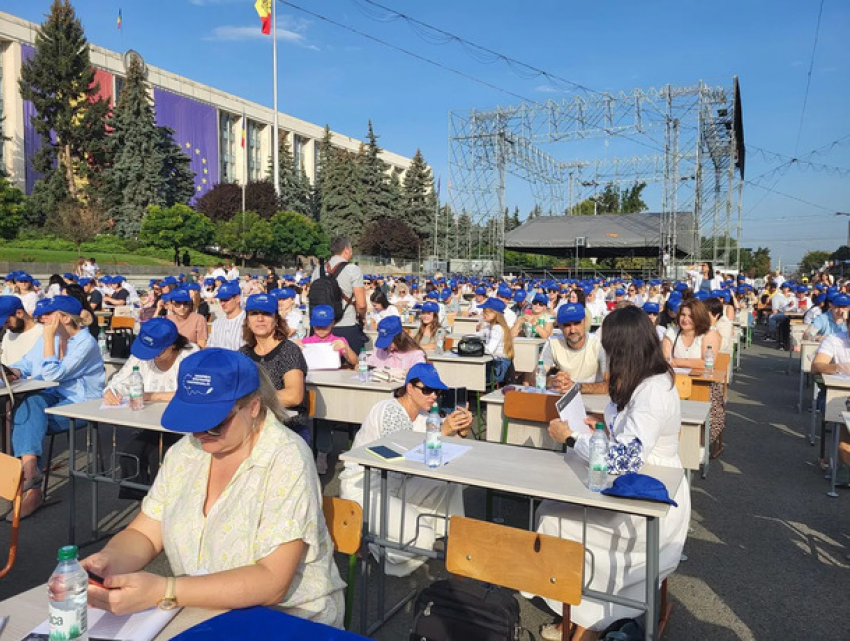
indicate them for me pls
(154, 336)
(23, 277)
(680, 287)
(503, 291)
(543, 299)
(519, 296)
(42, 306)
(8, 306)
(620, 292)
(802, 288)
(322, 316)
(495, 304)
(570, 313)
(284, 293)
(426, 373)
(120, 279)
(106, 279)
(179, 296)
(841, 300)
(673, 304)
(433, 295)
(481, 291)
(65, 304)
(787, 285)
(651, 308)
(209, 282)
(639, 486)
(84, 281)
(69, 276)
(193, 287)
(195, 269)
(430, 306)
(820, 298)
(446, 294)
(388, 329)
(169, 281)
(265, 303)
(209, 383)
(228, 290)
(701, 295)
(181, 276)
(220, 279)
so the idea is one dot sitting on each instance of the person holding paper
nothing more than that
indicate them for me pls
(577, 357)
(643, 421)
(236, 507)
(267, 343)
(408, 410)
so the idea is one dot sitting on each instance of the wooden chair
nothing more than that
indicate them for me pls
(684, 385)
(528, 406)
(541, 564)
(11, 486)
(345, 524)
(448, 343)
(122, 322)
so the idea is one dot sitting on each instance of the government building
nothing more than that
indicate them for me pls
(208, 123)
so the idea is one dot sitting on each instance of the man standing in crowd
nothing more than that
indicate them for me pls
(350, 281)
(227, 329)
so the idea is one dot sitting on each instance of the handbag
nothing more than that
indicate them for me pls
(470, 346)
(465, 610)
(120, 341)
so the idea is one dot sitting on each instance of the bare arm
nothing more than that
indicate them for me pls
(822, 364)
(293, 388)
(360, 301)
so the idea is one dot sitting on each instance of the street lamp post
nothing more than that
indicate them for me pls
(844, 213)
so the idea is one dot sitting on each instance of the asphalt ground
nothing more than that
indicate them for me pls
(767, 550)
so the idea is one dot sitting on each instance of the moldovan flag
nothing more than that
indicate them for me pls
(264, 10)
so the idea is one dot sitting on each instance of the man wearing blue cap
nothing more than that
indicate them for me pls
(475, 304)
(577, 357)
(778, 304)
(227, 328)
(833, 321)
(119, 294)
(22, 332)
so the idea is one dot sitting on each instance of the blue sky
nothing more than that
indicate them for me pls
(330, 75)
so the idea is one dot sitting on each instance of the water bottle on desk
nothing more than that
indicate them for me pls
(101, 343)
(597, 469)
(433, 438)
(67, 593)
(540, 376)
(709, 360)
(363, 366)
(137, 390)
(441, 341)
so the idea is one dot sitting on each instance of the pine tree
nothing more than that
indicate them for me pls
(70, 118)
(178, 180)
(396, 193)
(375, 183)
(294, 184)
(420, 200)
(342, 213)
(323, 162)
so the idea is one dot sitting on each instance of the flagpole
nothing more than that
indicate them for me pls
(276, 139)
(243, 134)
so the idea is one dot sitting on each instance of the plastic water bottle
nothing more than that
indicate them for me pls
(101, 343)
(137, 390)
(67, 595)
(597, 472)
(300, 332)
(433, 438)
(709, 360)
(540, 376)
(363, 366)
(441, 341)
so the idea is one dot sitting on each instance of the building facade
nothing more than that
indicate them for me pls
(208, 123)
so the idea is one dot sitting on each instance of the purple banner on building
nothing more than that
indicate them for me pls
(32, 141)
(195, 126)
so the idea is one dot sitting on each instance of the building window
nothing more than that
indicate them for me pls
(119, 87)
(227, 145)
(255, 162)
(297, 150)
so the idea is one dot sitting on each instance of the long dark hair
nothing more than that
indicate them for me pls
(633, 351)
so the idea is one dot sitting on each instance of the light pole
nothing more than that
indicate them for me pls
(844, 213)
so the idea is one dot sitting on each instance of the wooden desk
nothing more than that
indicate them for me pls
(493, 466)
(701, 390)
(462, 371)
(464, 325)
(527, 353)
(340, 396)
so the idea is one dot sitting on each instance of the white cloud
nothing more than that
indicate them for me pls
(235, 32)
(206, 3)
(546, 89)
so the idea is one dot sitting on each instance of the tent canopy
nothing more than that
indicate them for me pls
(605, 236)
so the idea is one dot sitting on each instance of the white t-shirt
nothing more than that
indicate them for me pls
(377, 316)
(16, 346)
(29, 300)
(494, 337)
(584, 365)
(153, 378)
(837, 347)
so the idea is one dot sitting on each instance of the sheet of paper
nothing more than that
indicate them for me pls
(124, 404)
(141, 626)
(682, 370)
(571, 409)
(450, 452)
(321, 356)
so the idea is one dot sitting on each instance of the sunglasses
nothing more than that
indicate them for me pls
(537, 302)
(181, 302)
(427, 391)
(218, 430)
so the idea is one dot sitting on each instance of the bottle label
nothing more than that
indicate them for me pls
(68, 624)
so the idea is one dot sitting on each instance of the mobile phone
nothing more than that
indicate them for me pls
(452, 399)
(95, 579)
(383, 452)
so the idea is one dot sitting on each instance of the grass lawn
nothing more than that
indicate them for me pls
(104, 259)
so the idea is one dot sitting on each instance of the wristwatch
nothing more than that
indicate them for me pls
(169, 599)
(571, 441)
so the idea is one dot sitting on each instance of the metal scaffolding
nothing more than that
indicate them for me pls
(696, 132)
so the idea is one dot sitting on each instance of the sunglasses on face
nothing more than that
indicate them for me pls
(427, 391)
(184, 303)
(218, 430)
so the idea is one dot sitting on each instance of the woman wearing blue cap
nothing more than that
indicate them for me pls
(67, 354)
(429, 325)
(394, 347)
(644, 416)
(408, 410)
(499, 342)
(536, 322)
(226, 551)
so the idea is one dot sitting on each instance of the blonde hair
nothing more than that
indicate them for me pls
(507, 336)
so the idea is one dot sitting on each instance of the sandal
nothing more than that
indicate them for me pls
(28, 509)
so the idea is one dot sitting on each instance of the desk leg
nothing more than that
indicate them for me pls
(382, 553)
(72, 482)
(813, 424)
(706, 438)
(653, 552)
(364, 554)
(91, 431)
(7, 428)
(834, 463)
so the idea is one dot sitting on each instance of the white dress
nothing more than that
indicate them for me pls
(616, 543)
(423, 496)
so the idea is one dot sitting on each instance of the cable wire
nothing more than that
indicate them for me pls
(809, 79)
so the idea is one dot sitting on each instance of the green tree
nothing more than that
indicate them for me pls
(342, 213)
(842, 253)
(296, 234)
(294, 184)
(419, 197)
(323, 161)
(755, 264)
(246, 234)
(70, 117)
(47, 195)
(813, 261)
(376, 198)
(12, 208)
(77, 221)
(176, 227)
(390, 238)
(177, 184)
(630, 199)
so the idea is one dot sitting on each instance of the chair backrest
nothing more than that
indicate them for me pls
(448, 343)
(684, 385)
(123, 322)
(538, 563)
(11, 483)
(722, 361)
(345, 523)
(530, 406)
(311, 402)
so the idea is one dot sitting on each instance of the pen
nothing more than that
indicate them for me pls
(401, 447)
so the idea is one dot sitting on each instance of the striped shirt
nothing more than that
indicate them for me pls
(227, 332)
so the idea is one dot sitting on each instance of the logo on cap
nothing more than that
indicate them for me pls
(200, 384)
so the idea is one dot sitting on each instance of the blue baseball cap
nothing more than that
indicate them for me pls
(120, 279)
(680, 286)
(209, 282)
(802, 289)
(8, 306)
(445, 294)
(640, 486)
(65, 304)
(193, 287)
(542, 299)
(154, 336)
(168, 281)
(69, 276)
(284, 293)
(42, 307)
(433, 294)
(620, 292)
(209, 383)
(519, 296)
(503, 291)
(430, 306)
(322, 316)
(427, 374)
(570, 313)
(83, 282)
(23, 277)
(702, 296)
(651, 308)
(481, 291)
(179, 296)
(495, 304)
(262, 303)
(388, 329)
(673, 304)
(228, 290)
(841, 300)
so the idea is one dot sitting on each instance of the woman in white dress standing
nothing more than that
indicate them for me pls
(645, 408)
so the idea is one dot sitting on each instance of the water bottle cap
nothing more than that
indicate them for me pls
(135, 368)
(600, 426)
(67, 553)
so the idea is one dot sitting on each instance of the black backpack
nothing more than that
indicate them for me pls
(325, 290)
